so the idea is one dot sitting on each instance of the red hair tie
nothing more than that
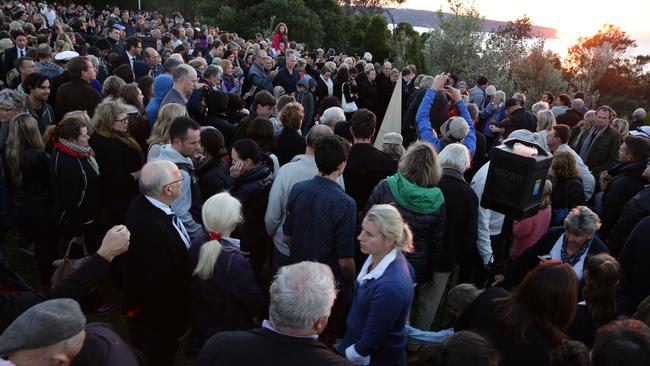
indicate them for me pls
(215, 236)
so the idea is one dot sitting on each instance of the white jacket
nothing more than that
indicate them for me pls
(489, 222)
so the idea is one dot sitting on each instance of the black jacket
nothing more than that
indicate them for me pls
(264, 347)
(365, 167)
(35, 186)
(227, 301)
(462, 217)
(213, 178)
(221, 123)
(431, 252)
(104, 347)
(634, 211)
(116, 162)
(75, 191)
(290, 143)
(634, 260)
(627, 180)
(156, 275)
(252, 190)
(438, 114)
(368, 95)
(287, 80)
(567, 193)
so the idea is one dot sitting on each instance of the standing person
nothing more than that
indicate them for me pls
(258, 76)
(26, 170)
(325, 84)
(598, 147)
(138, 125)
(385, 89)
(290, 142)
(306, 99)
(77, 94)
(477, 94)
(288, 76)
(368, 92)
(343, 90)
(567, 191)
(376, 332)
(213, 175)
(160, 132)
(184, 145)
(320, 225)
(366, 165)
(185, 79)
(557, 140)
(37, 87)
(413, 190)
(157, 297)
(120, 159)
(301, 299)
(302, 167)
(252, 176)
(225, 295)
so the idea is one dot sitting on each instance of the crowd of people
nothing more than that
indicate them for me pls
(229, 195)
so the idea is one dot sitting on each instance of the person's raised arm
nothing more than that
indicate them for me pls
(422, 115)
(470, 140)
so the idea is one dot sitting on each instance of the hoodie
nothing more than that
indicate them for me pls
(161, 86)
(190, 197)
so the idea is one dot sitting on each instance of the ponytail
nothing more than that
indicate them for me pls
(207, 258)
(51, 134)
(405, 242)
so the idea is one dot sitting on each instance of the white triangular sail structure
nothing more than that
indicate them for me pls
(393, 117)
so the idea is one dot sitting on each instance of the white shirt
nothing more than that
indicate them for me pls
(489, 222)
(364, 276)
(131, 59)
(168, 211)
(19, 50)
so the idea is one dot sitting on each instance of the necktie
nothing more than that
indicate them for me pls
(180, 227)
(21, 53)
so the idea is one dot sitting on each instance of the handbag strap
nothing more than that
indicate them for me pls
(83, 247)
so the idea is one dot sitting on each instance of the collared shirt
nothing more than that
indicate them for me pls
(267, 325)
(19, 50)
(131, 59)
(168, 211)
(364, 276)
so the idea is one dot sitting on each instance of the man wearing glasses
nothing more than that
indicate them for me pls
(157, 282)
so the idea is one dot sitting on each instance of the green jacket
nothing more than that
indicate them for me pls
(603, 153)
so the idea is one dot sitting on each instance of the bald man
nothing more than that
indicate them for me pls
(157, 286)
(153, 61)
(185, 80)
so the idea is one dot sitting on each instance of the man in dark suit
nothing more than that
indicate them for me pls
(156, 276)
(133, 46)
(366, 165)
(77, 94)
(14, 53)
(302, 295)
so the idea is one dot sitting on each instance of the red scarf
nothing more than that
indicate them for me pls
(69, 151)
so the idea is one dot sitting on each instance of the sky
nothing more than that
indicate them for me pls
(571, 18)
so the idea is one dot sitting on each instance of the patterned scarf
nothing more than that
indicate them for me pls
(78, 151)
(575, 257)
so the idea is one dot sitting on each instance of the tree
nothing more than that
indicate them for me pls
(456, 45)
(537, 72)
(370, 6)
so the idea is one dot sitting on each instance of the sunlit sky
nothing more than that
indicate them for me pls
(571, 18)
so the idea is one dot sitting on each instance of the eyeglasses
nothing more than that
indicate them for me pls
(123, 120)
(174, 182)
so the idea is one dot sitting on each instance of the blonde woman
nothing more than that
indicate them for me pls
(225, 293)
(545, 122)
(160, 132)
(376, 322)
(621, 126)
(27, 171)
(120, 157)
(112, 88)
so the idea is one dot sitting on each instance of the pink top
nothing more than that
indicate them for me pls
(276, 41)
(528, 231)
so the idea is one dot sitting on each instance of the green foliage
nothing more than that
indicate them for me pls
(370, 6)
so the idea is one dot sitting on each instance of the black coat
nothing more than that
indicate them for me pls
(462, 219)
(627, 180)
(567, 193)
(368, 95)
(213, 178)
(264, 347)
(116, 162)
(252, 190)
(634, 260)
(634, 211)
(227, 301)
(75, 191)
(290, 143)
(431, 252)
(438, 114)
(156, 275)
(570, 118)
(104, 347)
(321, 91)
(365, 167)
(35, 186)
(287, 80)
(221, 123)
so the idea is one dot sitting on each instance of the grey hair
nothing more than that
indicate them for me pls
(93, 60)
(301, 294)
(426, 82)
(331, 116)
(577, 104)
(501, 95)
(539, 106)
(213, 70)
(182, 72)
(12, 99)
(638, 114)
(155, 175)
(521, 97)
(582, 220)
(472, 109)
(455, 156)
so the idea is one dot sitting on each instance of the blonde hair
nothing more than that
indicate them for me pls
(221, 213)
(390, 224)
(621, 126)
(393, 149)
(83, 117)
(23, 134)
(420, 165)
(546, 194)
(545, 120)
(106, 113)
(113, 86)
(160, 130)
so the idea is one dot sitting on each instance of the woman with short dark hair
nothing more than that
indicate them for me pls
(213, 175)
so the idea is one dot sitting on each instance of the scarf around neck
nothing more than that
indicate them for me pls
(414, 198)
(77, 151)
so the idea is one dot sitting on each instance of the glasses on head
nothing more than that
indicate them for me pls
(123, 120)
(174, 182)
